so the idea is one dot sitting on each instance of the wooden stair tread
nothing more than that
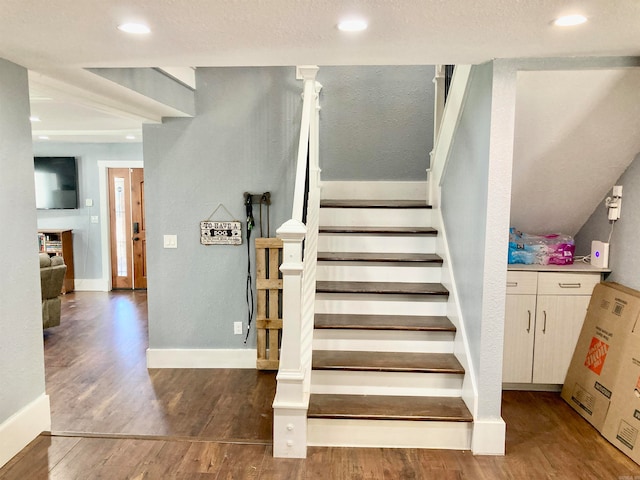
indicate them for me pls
(379, 257)
(384, 322)
(379, 230)
(386, 361)
(335, 203)
(385, 288)
(383, 407)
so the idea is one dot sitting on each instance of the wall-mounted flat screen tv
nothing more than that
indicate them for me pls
(56, 182)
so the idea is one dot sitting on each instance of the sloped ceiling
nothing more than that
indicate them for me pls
(575, 133)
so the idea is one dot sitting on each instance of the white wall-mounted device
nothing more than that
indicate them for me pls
(600, 254)
(614, 203)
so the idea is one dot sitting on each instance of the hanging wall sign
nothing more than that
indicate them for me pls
(220, 233)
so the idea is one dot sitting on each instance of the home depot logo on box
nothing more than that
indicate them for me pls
(596, 355)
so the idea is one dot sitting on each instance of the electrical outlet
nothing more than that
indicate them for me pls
(237, 328)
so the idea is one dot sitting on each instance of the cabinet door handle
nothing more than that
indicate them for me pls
(512, 284)
(529, 324)
(569, 285)
(544, 325)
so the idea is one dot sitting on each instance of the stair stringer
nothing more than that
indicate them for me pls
(488, 435)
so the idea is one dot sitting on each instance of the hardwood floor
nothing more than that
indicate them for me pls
(98, 382)
(114, 419)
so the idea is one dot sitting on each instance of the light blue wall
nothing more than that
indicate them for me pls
(243, 139)
(21, 345)
(86, 235)
(624, 257)
(376, 123)
(464, 202)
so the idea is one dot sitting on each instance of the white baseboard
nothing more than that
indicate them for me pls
(201, 358)
(22, 427)
(91, 285)
(488, 437)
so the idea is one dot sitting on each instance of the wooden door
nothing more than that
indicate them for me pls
(126, 209)
(138, 226)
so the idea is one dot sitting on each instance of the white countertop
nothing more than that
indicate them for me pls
(578, 267)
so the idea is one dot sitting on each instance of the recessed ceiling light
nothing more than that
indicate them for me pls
(138, 28)
(569, 20)
(34, 118)
(353, 25)
(130, 137)
(43, 137)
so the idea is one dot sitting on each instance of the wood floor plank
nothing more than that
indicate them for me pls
(382, 407)
(37, 459)
(408, 258)
(98, 382)
(373, 203)
(386, 361)
(284, 468)
(384, 322)
(385, 288)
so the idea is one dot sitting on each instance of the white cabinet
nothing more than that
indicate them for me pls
(519, 327)
(543, 317)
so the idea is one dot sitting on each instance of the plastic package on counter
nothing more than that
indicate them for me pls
(553, 249)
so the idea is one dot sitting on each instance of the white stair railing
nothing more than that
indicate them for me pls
(446, 127)
(298, 282)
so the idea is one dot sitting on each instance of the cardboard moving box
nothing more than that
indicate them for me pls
(600, 384)
(622, 424)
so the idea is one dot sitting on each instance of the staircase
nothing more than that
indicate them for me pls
(383, 369)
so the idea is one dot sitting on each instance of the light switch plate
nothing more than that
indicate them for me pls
(88, 202)
(170, 241)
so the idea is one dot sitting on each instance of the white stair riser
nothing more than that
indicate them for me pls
(389, 434)
(378, 272)
(329, 242)
(380, 304)
(375, 217)
(363, 190)
(383, 341)
(343, 382)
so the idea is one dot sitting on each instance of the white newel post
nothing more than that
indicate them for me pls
(291, 400)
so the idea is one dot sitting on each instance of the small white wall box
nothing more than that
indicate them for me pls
(600, 254)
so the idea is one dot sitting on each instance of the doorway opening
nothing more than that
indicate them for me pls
(127, 229)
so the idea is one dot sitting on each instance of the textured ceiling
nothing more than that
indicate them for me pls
(57, 39)
(41, 34)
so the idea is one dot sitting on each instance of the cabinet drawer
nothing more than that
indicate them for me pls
(567, 283)
(519, 283)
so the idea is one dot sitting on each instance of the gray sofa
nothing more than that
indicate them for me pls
(52, 271)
